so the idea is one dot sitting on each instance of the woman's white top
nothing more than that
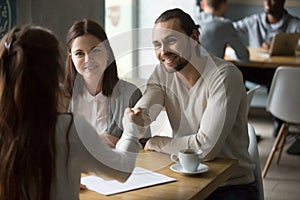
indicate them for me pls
(88, 154)
(93, 108)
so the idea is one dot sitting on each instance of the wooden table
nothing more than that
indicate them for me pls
(259, 58)
(186, 187)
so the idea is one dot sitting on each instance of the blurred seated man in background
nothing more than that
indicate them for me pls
(217, 32)
(260, 30)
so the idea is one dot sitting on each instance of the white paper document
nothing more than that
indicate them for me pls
(140, 178)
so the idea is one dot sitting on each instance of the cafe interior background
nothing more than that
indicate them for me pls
(121, 18)
(128, 24)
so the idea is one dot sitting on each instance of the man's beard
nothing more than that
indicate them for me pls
(183, 62)
(270, 12)
(181, 65)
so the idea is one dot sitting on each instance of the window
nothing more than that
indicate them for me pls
(119, 22)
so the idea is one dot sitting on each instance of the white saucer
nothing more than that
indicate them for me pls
(201, 169)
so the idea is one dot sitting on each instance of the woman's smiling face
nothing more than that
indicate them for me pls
(89, 56)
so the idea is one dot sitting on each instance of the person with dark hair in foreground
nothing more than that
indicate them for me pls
(42, 151)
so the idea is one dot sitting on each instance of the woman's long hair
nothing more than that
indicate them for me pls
(110, 76)
(30, 71)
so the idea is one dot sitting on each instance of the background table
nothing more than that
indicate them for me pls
(259, 58)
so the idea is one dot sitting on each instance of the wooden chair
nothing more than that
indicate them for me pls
(284, 103)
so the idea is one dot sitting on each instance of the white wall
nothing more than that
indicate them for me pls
(57, 15)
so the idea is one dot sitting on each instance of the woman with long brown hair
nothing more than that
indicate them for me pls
(92, 81)
(43, 152)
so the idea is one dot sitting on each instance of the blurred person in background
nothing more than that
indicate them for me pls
(217, 32)
(260, 29)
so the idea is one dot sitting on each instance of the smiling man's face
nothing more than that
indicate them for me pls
(171, 44)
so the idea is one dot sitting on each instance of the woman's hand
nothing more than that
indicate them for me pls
(82, 187)
(109, 139)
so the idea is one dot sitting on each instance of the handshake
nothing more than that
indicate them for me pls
(135, 122)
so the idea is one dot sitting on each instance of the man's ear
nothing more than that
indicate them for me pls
(195, 35)
(202, 5)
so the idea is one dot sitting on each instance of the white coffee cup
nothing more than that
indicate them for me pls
(189, 159)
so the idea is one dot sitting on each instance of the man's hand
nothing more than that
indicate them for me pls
(139, 116)
(148, 145)
(157, 143)
(265, 45)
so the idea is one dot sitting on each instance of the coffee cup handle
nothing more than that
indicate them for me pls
(174, 158)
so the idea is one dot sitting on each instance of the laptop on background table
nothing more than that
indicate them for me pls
(284, 44)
